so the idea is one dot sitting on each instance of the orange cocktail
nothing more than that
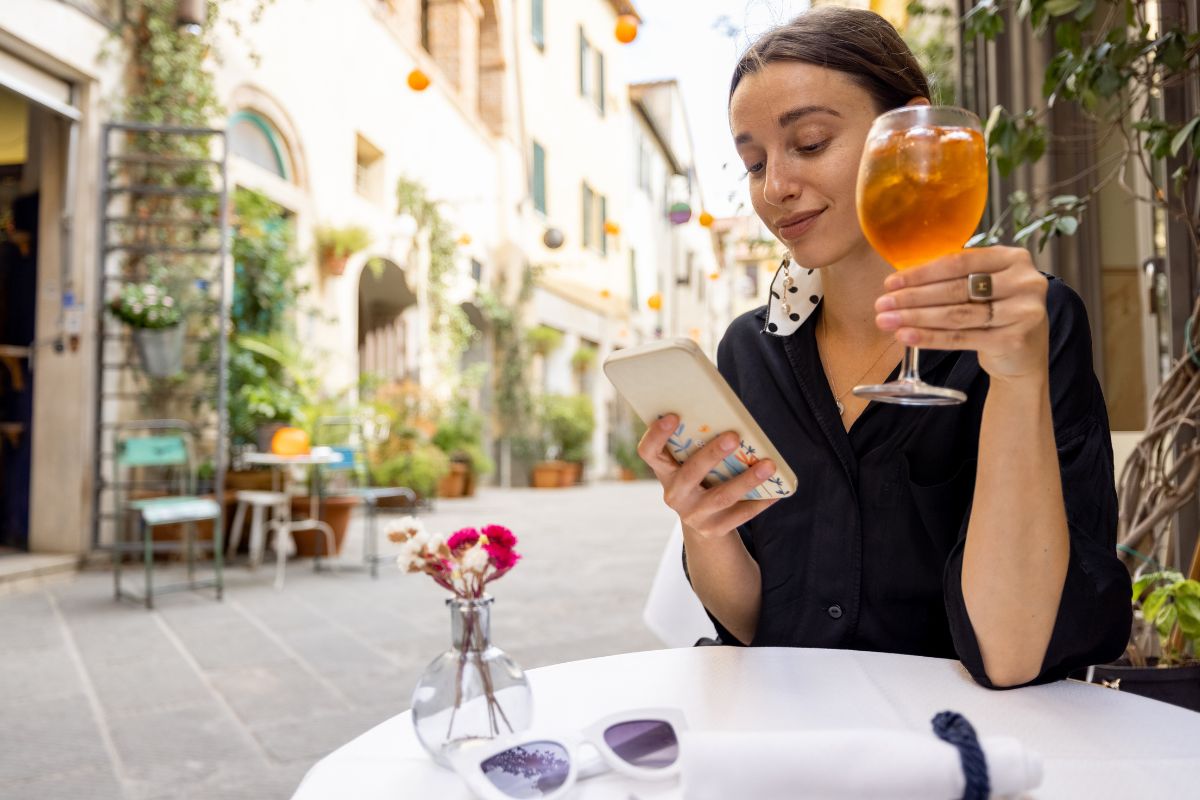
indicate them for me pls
(921, 191)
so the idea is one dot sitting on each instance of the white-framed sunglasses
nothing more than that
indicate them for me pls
(543, 764)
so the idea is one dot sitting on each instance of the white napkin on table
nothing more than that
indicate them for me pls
(843, 765)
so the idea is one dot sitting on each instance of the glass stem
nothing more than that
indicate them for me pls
(909, 371)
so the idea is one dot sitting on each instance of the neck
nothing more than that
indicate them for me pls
(851, 287)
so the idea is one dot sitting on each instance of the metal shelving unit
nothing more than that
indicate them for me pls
(163, 206)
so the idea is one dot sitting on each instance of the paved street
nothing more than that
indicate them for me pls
(200, 699)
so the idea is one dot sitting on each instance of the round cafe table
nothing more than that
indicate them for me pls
(1095, 742)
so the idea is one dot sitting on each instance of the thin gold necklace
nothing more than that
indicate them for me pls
(837, 398)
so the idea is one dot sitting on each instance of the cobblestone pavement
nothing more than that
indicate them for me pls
(200, 699)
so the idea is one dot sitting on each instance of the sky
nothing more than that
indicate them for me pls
(690, 40)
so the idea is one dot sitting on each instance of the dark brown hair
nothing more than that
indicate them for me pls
(855, 41)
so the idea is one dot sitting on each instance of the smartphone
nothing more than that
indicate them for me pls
(673, 376)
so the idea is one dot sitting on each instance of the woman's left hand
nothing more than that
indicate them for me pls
(929, 307)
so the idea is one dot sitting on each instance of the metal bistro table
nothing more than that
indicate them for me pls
(280, 466)
(1096, 742)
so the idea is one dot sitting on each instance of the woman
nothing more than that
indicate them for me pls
(983, 531)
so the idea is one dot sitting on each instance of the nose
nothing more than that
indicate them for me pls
(782, 182)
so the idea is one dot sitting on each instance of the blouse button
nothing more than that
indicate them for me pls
(835, 611)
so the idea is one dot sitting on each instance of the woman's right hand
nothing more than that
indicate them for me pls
(709, 512)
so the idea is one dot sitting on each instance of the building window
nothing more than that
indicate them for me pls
(588, 219)
(539, 178)
(255, 139)
(537, 12)
(425, 25)
(602, 233)
(368, 170)
(585, 65)
(643, 165)
(599, 98)
(633, 281)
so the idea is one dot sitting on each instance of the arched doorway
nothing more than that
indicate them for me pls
(386, 322)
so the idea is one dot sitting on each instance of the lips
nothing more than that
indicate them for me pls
(797, 225)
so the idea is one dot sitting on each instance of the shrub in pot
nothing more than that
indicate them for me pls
(570, 421)
(418, 466)
(460, 435)
(336, 245)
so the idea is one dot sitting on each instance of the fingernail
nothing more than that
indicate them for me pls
(888, 321)
(909, 337)
(729, 443)
(764, 469)
(666, 423)
(885, 303)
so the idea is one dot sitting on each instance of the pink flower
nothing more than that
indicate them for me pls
(462, 538)
(498, 534)
(503, 558)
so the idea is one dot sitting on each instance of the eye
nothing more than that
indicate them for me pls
(815, 147)
(755, 168)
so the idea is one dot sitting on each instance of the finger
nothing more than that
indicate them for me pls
(996, 314)
(955, 265)
(931, 339)
(739, 514)
(653, 446)
(728, 493)
(701, 462)
(942, 293)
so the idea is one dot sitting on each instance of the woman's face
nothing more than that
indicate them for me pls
(800, 130)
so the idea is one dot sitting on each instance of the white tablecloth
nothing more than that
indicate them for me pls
(1096, 742)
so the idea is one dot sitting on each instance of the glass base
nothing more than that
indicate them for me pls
(911, 393)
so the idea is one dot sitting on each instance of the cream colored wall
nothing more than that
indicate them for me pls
(63, 42)
(337, 72)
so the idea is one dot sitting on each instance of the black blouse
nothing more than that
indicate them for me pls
(868, 553)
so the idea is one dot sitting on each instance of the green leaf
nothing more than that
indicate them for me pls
(1064, 200)
(1184, 134)
(1059, 8)
(1066, 225)
(1030, 229)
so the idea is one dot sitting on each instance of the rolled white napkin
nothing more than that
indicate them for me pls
(843, 765)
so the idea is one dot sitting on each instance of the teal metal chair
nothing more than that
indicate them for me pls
(159, 456)
(350, 476)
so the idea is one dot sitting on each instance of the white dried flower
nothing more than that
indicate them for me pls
(410, 557)
(475, 559)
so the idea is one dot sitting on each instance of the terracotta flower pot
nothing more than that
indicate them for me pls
(335, 511)
(547, 474)
(454, 482)
(626, 474)
(571, 473)
(334, 265)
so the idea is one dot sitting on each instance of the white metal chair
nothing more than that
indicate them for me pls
(260, 504)
(672, 612)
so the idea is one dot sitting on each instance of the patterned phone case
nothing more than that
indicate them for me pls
(674, 376)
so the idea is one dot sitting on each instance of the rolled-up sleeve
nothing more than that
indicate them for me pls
(1094, 613)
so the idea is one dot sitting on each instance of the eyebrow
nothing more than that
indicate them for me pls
(788, 117)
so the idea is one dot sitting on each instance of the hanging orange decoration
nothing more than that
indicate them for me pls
(465, 239)
(418, 81)
(654, 301)
(713, 276)
(612, 228)
(289, 442)
(605, 293)
(694, 333)
(706, 219)
(627, 28)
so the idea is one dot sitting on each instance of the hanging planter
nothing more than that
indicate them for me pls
(160, 350)
(679, 213)
(336, 245)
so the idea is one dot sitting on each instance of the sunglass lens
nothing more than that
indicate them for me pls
(648, 743)
(531, 770)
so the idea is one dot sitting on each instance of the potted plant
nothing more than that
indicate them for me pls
(336, 245)
(543, 339)
(1168, 606)
(419, 466)
(570, 422)
(583, 358)
(157, 325)
(460, 435)
(629, 464)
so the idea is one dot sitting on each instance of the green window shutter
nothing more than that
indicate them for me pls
(587, 216)
(600, 82)
(603, 220)
(539, 177)
(539, 24)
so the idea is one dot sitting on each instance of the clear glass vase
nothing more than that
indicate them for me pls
(473, 690)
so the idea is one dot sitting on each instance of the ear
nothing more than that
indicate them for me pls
(918, 101)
